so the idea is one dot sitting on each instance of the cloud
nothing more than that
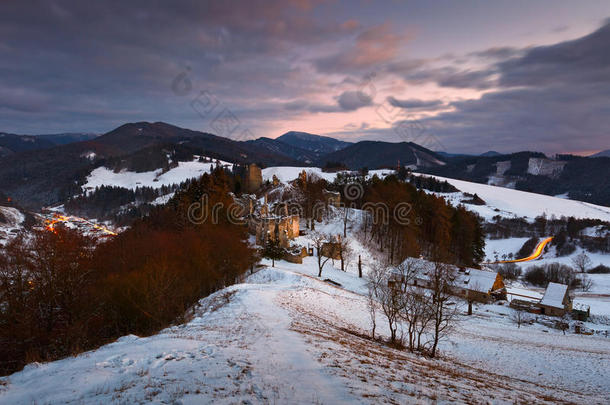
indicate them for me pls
(583, 60)
(353, 100)
(550, 98)
(416, 104)
(346, 101)
(372, 47)
(498, 53)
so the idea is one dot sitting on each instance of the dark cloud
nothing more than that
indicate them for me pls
(346, 101)
(584, 60)
(71, 62)
(498, 53)
(353, 100)
(450, 76)
(416, 104)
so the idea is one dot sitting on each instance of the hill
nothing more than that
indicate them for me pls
(579, 178)
(68, 137)
(377, 154)
(47, 176)
(603, 153)
(318, 144)
(288, 150)
(283, 335)
(11, 143)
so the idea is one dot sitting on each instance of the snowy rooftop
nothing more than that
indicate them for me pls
(477, 280)
(472, 279)
(553, 296)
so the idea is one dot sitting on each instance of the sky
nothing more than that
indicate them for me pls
(459, 77)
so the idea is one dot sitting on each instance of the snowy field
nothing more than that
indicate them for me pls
(103, 176)
(499, 200)
(288, 173)
(285, 336)
(508, 202)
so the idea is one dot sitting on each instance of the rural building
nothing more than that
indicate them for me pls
(556, 300)
(332, 249)
(471, 284)
(479, 285)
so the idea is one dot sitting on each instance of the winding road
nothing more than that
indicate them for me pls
(535, 255)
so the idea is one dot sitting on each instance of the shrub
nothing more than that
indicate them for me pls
(553, 272)
(509, 271)
(599, 269)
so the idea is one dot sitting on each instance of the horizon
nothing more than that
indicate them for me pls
(472, 77)
(582, 154)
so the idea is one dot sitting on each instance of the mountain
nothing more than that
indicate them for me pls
(321, 145)
(603, 153)
(66, 138)
(581, 178)
(47, 176)
(490, 153)
(11, 143)
(282, 148)
(448, 155)
(377, 154)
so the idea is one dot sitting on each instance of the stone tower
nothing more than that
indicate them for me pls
(254, 178)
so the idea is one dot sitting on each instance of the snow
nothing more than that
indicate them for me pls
(162, 199)
(288, 173)
(14, 219)
(500, 247)
(478, 280)
(554, 294)
(285, 336)
(508, 202)
(103, 176)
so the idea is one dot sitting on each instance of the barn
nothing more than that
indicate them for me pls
(556, 300)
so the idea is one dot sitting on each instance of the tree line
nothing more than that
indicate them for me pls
(407, 222)
(62, 292)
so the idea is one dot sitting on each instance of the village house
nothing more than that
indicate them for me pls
(556, 300)
(470, 284)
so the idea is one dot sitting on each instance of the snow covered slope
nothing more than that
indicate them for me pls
(499, 200)
(511, 202)
(103, 176)
(287, 337)
(10, 222)
(288, 173)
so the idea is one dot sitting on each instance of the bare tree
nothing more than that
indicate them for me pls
(581, 262)
(375, 279)
(345, 253)
(319, 239)
(444, 312)
(518, 316)
(391, 299)
(585, 282)
(345, 220)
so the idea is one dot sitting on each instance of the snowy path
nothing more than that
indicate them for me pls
(286, 337)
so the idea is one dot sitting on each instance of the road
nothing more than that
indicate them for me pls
(537, 253)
